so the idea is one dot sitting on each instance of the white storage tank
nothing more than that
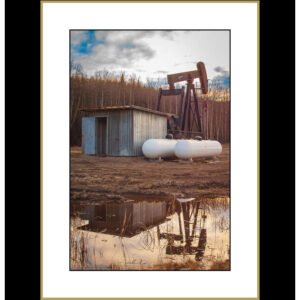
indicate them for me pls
(187, 149)
(159, 148)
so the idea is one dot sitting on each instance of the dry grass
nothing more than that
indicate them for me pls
(188, 265)
(79, 246)
(221, 265)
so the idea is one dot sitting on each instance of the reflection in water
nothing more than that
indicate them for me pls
(124, 219)
(189, 212)
(149, 234)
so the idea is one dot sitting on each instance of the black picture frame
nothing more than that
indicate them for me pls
(277, 175)
(22, 200)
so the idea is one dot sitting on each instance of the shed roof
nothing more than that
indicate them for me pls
(126, 107)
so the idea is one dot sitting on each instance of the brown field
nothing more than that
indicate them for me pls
(102, 178)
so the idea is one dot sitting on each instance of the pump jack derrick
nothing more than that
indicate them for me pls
(187, 116)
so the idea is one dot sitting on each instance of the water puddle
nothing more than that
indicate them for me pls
(151, 235)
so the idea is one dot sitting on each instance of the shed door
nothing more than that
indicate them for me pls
(101, 135)
(88, 135)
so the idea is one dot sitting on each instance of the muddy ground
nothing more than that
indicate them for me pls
(102, 178)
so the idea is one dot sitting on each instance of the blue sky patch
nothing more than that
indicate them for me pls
(87, 45)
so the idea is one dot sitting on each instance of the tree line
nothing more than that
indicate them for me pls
(109, 89)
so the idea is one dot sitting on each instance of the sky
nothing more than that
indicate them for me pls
(151, 54)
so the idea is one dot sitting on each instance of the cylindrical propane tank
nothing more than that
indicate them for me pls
(159, 148)
(187, 149)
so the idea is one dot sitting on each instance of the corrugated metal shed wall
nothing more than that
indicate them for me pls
(127, 130)
(89, 135)
(146, 126)
(119, 133)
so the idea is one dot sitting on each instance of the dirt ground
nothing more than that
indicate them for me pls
(102, 178)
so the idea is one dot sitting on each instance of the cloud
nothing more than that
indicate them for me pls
(96, 50)
(114, 56)
(187, 63)
(221, 70)
(168, 34)
(77, 37)
(222, 80)
(147, 53)
(161, 72)
(121, 37)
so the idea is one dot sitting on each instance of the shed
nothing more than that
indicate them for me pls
(120, 130)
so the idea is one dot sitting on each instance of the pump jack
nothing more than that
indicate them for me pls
(186, 115)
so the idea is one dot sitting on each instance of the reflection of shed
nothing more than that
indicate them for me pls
(125, 218)
(120, 130)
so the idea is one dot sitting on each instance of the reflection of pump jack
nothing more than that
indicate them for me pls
(189, 236)
(202, 241)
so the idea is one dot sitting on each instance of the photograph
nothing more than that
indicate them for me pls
(149, 150)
